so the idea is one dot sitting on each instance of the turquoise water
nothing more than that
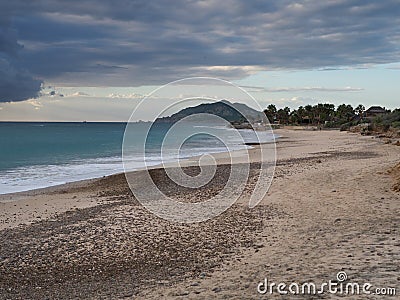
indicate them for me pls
(29, 144)
(35, 155)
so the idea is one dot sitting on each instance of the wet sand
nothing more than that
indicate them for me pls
(332, 206)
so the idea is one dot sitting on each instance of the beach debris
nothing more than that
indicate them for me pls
(216, 289)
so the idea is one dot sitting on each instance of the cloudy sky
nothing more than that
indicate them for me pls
(94, 59)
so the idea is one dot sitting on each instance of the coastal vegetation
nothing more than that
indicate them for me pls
(344, 116)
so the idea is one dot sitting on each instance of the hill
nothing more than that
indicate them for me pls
(232, 112)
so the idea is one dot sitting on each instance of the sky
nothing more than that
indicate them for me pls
(95, 60)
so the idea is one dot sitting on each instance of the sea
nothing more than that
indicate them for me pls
(41, 154)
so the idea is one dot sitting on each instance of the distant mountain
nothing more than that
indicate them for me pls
(232, 112)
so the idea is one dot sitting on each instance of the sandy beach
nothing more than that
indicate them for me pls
(334, 205)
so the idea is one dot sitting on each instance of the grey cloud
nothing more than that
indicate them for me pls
(152, 42)
(16, 83)
(8, 41)
(396, 67)
(302, 89)
(315, 89)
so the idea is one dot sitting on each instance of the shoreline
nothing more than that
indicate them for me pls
(71, 195)
(149, 167)
(81, 182)
(331, 207)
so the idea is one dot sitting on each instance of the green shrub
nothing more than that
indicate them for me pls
(388, 120)
(396, 124)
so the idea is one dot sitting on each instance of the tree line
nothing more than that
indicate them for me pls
(320, 114)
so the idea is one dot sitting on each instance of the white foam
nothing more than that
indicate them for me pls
(41, 176)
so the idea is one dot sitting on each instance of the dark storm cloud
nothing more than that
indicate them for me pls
(16, 83)
(151, 42)
(8, 40)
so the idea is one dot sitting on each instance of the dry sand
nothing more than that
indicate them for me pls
(333, 206)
